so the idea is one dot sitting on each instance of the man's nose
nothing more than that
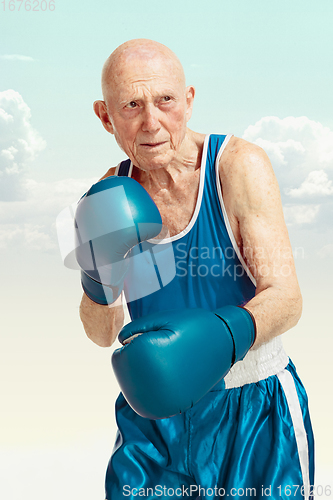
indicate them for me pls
(150, 119)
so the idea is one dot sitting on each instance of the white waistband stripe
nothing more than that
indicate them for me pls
(288, 385)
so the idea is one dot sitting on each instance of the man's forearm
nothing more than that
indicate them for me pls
(101, 323)
(275, 312)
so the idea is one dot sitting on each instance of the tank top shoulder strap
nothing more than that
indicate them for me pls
(216, 146)
(123, 168)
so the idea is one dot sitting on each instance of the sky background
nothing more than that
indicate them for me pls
(263, 71)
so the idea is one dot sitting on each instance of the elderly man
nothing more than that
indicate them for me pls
(249, 432)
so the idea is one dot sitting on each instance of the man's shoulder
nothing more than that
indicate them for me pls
(243, 163)
(246, 175)
(240, 153)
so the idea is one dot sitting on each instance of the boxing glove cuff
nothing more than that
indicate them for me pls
(101, 294)
(242, 327)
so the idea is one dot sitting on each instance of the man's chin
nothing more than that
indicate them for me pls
(153, 162)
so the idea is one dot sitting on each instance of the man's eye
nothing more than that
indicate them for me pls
(131, 104)
(166, 98)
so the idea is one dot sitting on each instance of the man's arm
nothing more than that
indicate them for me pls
(102, 323)
(252, 198)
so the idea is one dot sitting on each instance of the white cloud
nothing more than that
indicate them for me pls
(301, 152)
(295, 145)
(19, 144)
(316, 184)
(31, 235)
(28, 209)
(300, 214)
(30, 223)
(16, 57)
(299, 129)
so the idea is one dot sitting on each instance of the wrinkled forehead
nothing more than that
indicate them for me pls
(141, 68)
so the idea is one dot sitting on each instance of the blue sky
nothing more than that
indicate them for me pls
(257, 58)
(262, 70)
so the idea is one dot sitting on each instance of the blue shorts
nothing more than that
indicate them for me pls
(250, 441)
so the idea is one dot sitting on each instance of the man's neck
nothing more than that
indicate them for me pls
(187, 161)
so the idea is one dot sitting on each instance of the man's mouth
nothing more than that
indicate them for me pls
(152, 145)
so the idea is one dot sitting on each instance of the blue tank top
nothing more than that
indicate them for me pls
(209, 269)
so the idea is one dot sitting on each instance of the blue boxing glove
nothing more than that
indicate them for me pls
(115, 215)
(179, 356)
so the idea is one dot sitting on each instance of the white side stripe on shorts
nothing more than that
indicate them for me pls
(288, 385)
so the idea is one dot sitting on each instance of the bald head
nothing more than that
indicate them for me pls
(146, 105)
(138, 53)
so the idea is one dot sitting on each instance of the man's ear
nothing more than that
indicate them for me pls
(102, 113)
(189, 94)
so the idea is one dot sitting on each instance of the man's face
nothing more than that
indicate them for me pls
(148, 108)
